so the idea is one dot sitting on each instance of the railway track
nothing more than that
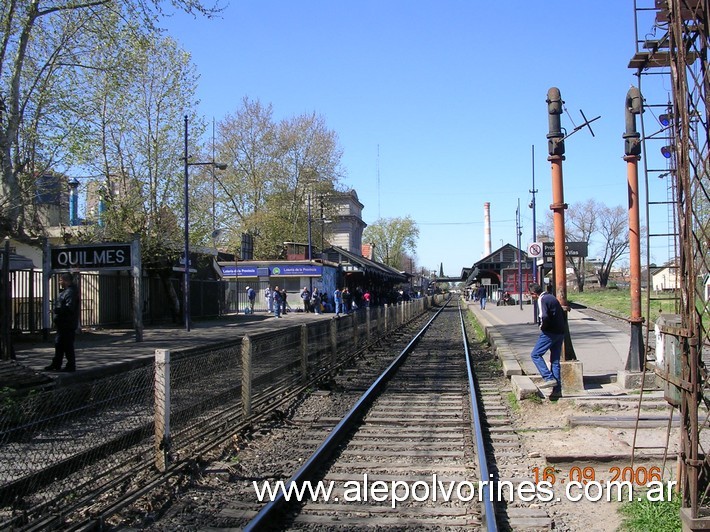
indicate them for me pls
(416, 439)
(410, 453)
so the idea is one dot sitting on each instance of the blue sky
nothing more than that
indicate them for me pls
(451, 94)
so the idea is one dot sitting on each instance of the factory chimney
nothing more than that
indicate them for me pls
(486, 229)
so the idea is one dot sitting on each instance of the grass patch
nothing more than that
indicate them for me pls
(513, 402)
(618, 302)
(475, 328)
(643, 515)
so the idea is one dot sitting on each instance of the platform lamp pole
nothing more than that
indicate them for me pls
(186, 222)
(556, 151)
(632, 154)
(533, 206)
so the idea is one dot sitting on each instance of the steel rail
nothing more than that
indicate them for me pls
(215, 439)
(264, 520)
(491, 525)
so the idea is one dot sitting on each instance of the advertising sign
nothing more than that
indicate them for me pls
(281, 270)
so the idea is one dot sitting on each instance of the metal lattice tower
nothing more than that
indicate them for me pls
(675, 52)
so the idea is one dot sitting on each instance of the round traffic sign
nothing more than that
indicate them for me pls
(535, 249)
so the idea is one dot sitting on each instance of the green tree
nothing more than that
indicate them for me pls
(393, 239)
(45, 48)
(132, 143)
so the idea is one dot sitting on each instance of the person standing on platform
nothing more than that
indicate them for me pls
(482, 295)
(66, 320)
(284, 303)
(269, 300)
(347, 300)
(251, 296)
(276, 298)
(552, 334)
(338, 301)
(315, 301)
(306, 297)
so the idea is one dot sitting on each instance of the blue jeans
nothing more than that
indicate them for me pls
(277, 309)
(553, 342)
(338, 307)
(483, 303)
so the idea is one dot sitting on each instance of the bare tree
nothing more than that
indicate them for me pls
(273, 170)
(614, 230)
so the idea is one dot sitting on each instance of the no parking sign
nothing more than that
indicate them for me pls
(535, 249)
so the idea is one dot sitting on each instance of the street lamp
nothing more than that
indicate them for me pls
(186, 279)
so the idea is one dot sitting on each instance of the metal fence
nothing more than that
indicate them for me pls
(59, 445)
(106, 299)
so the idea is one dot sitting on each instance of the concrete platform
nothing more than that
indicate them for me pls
(107, 351)
(601, 349)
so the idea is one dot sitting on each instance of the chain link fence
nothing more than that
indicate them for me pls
(63, 444)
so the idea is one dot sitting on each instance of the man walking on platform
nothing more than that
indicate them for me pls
(552, 334)
(482, 295)
(251, 296)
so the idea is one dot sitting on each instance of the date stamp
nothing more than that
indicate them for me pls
(613, 483)
(637, 476)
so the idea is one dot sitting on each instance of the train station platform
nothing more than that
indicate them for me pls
(512, 331)
(107, 351)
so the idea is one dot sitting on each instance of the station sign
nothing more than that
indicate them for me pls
(91, 257)
(572, 249)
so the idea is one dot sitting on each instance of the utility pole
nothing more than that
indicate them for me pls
(632, 154)
(556, 149)
(533, 206)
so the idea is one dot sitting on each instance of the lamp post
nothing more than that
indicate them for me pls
(186, 277)
(533, 206)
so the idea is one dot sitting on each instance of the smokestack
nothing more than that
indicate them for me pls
(486, 229)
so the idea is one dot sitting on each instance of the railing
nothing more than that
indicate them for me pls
(159, 408)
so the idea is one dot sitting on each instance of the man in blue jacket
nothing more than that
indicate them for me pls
(552, 334)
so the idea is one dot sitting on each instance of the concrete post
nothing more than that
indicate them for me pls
(368, 324)
(304, 352)
(386, 320)
(355, 331)
(247, 355)
(334, 341)
(161, 394)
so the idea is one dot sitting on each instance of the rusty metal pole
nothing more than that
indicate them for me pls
(632, 151)
(556, 150)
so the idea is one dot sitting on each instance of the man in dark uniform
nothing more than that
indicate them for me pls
(66, 320)
(552, 335)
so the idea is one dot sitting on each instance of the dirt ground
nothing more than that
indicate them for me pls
(547, 437)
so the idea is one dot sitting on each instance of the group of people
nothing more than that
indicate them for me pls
(276, 301)
(551, 321)
(316, 301)
(313, 301)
